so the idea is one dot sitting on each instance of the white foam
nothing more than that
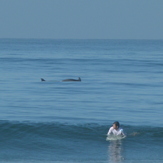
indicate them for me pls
(114, 137)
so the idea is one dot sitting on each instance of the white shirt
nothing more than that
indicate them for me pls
(115, 132)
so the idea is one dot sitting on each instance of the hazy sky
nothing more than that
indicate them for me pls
(82, 19)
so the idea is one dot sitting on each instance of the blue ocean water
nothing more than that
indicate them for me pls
(55, 121)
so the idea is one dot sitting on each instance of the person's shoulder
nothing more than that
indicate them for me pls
(120, 129)
(111, 128)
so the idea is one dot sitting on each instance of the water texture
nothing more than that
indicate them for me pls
(55, 121)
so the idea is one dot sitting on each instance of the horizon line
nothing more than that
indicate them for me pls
(19, 38)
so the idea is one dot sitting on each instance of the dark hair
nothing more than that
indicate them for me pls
(116, 123)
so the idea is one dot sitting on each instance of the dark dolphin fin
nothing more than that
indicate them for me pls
(79, 79)
(43, 79)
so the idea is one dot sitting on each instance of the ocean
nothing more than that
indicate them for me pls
(55, 121)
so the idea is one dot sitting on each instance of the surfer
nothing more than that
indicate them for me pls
(116, 130)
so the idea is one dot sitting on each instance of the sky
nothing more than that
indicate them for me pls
(81, 19)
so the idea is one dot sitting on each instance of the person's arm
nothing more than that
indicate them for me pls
(122, 133)
(110, 131)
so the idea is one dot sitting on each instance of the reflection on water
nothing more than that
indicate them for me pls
(115, 151)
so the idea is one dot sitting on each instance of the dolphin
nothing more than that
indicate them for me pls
(43, 79)
(66, 80)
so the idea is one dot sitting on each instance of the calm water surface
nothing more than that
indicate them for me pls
(56, 121)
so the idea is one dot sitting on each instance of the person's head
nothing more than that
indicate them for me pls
(116, 125)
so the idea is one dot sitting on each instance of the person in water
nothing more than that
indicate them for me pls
(116, 130)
